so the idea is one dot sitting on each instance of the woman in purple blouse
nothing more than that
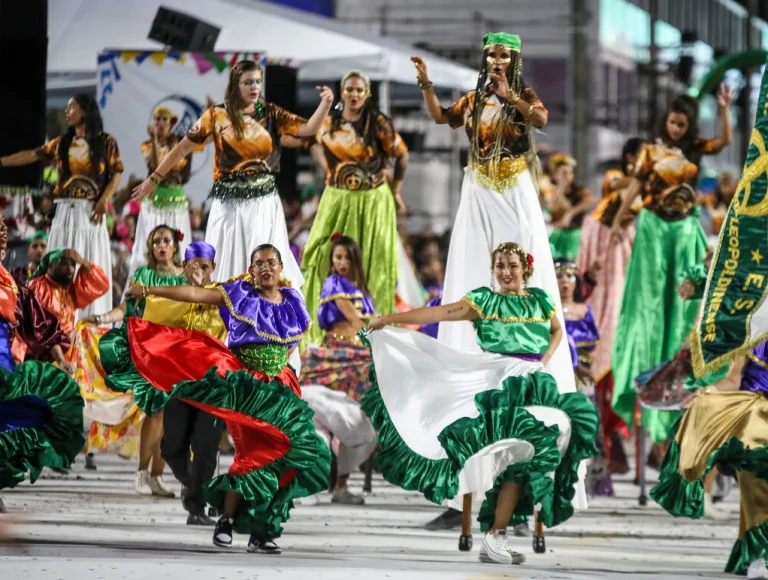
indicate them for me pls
(248, 383)
(583, 337)
(335, 373)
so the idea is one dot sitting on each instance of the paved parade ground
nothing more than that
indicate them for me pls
(91, 525)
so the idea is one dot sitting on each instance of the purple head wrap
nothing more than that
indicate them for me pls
(200, 250)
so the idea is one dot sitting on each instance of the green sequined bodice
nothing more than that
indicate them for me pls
(269, 359)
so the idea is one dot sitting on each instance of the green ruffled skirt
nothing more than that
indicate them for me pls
(654, 320)
(41, 421)
(565, 243)
(370, 218)
(279, 456)
(546, 471)
(725, 428)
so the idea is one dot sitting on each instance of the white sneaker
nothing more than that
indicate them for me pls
(344, 496)
(158, 487)
(757, 570)
(711, 511)
(142, 483)
(496, 550)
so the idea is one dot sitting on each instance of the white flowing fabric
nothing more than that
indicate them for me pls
(235, 229)
(342, 424)
(485, 219)
(408, 286)
(72, 228)
(426, 386)
(149, 218)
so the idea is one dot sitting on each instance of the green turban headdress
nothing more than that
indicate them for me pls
(50, 258)
(503, 38)
(39, 236)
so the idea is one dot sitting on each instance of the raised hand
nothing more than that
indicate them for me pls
(725, 95)
(421, 68)
(326, 94)
(500, 85)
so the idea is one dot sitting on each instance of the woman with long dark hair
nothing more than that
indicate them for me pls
(89, 166)
(654, 320)
(354, 146)
(499, 199)
(335, 372)
(246, 209)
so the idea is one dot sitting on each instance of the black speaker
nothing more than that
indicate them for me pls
(179, 31)
(281, 86)
(24, 44)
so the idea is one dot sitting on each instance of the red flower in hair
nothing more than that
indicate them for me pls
(180, 235)
(530, 261)
(335, 236)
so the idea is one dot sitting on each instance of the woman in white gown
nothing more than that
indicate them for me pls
(499, 200)
(452, 422)
(246, 210)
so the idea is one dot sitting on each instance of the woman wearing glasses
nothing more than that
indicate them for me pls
(246, 130)
(248, 383)
(354, 147)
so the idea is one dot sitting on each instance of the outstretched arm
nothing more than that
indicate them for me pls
(446, 313)
(20, 158)
(188, 294)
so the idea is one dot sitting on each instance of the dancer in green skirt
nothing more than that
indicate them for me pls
(568, 207)
(357, 142)
(654, 319)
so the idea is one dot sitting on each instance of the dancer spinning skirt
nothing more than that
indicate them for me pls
(452, 422)
(654, 320)
(357, 141)
(41, 411)
(498, 198)
(249, 384)
(597, 249)
(90, 167)
(567, 207)
(168, 205)
(725, 425)
(246, 209)
(335, 373)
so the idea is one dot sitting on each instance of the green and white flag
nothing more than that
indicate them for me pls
(734, 315)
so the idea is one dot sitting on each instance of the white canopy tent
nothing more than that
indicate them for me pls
(324, 49)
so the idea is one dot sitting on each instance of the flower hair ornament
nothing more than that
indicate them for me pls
(179, 235)
(513, 248)
(335, 236)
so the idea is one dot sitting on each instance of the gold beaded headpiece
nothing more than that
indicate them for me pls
(513, 248)
(566, 267)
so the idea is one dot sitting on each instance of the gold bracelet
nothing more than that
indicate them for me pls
(144, 291)
(530, 110)
(425, 85)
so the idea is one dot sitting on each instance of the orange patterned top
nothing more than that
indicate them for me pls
(352, 165)
(62, 301)
(514, 142)
(670, 178)
(259, 149)
(84, 182)
(610, 202)
(180, 173)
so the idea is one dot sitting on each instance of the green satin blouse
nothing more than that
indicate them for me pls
(512, 324)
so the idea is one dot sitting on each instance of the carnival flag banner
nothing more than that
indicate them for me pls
(734, 314)
(132, 84)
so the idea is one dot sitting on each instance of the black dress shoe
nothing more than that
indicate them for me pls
(447, 520)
